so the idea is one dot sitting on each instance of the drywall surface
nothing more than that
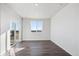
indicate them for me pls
(28, 35)
(65, 29)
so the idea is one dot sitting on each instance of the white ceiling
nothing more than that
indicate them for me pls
(43, 10)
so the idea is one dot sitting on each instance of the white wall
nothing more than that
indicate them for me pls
(0, 28)
(7, 16)
(28, 35)
(2, 41)
(65, 28)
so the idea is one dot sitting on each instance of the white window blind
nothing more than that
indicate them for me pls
(36, 26)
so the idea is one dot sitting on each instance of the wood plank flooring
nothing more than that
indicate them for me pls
(38, 48)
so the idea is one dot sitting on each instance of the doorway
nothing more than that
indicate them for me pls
(14, 34)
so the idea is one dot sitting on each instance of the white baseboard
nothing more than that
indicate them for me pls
(33, 39)
(61, 47)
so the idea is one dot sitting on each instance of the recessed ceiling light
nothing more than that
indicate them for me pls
(36, 4)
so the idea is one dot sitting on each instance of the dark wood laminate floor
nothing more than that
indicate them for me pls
(38, 48)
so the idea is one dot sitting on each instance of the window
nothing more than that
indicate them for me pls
(36, 26)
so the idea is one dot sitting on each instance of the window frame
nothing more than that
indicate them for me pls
(37, 30)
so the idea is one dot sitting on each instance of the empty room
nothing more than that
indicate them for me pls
(39, 29)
